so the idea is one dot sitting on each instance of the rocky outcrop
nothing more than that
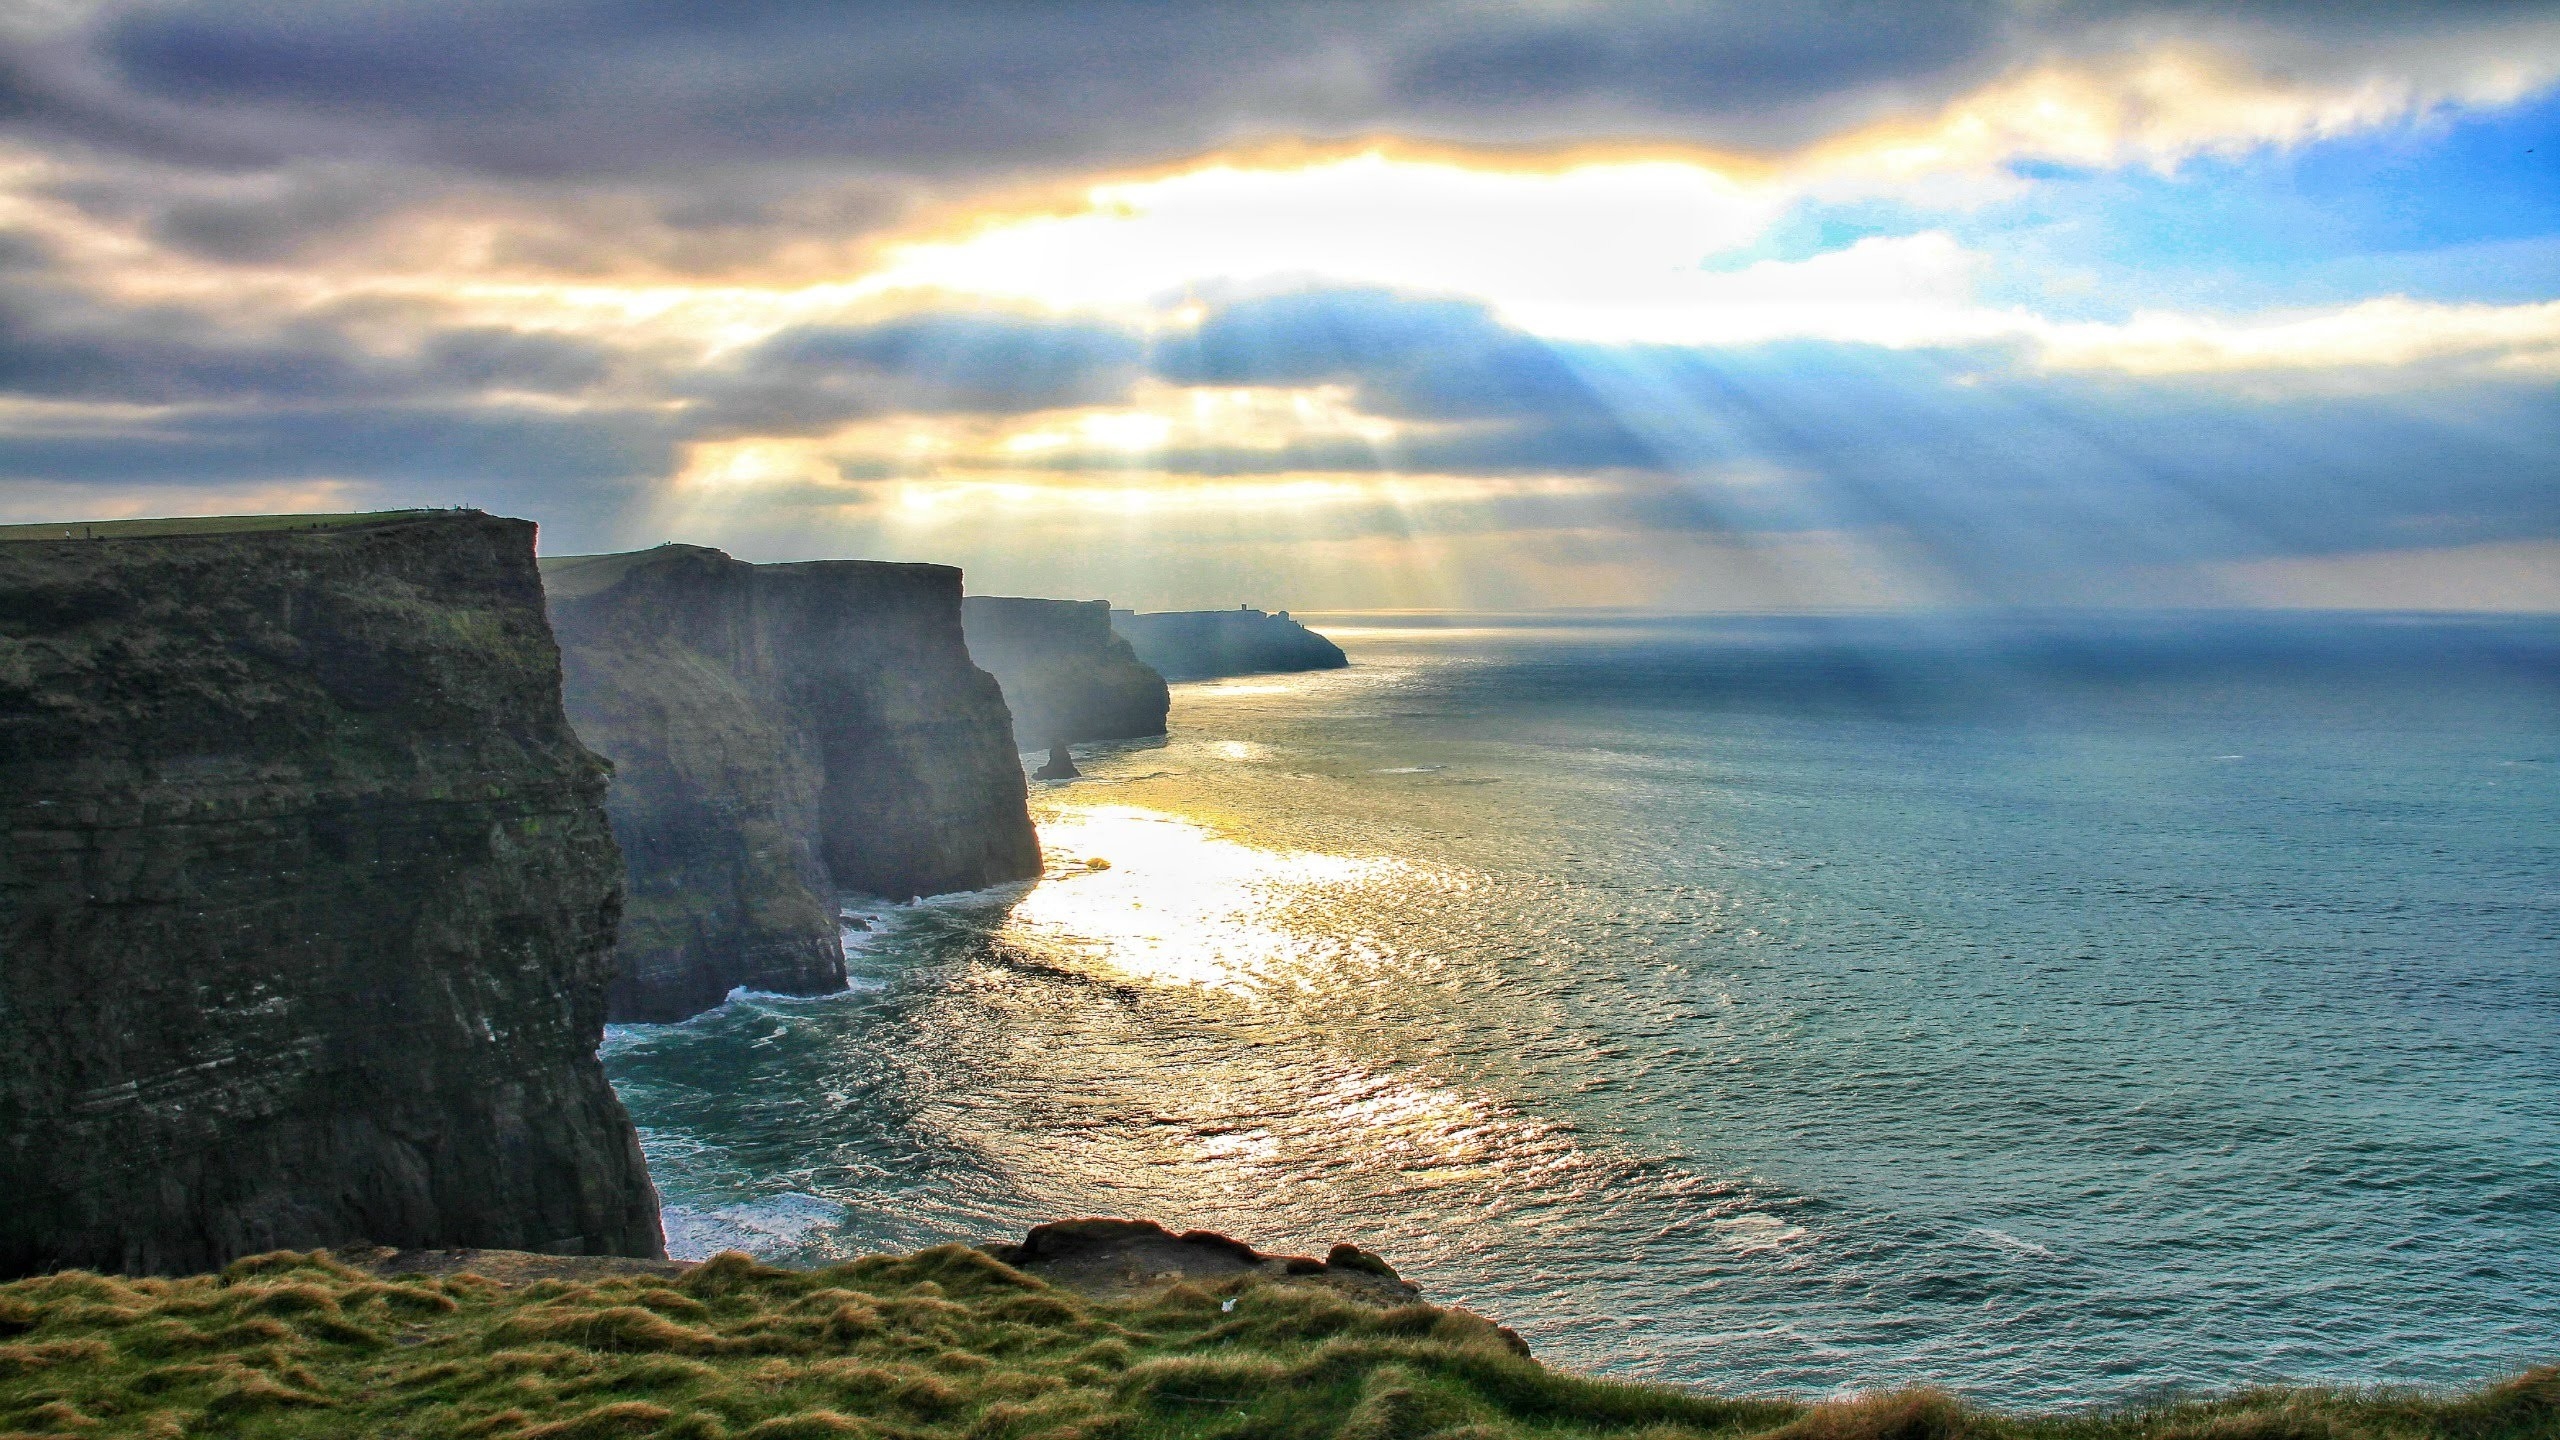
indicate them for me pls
(307, 900)
(1110, 1258)
(780, 732)
(1066, 676)
(1205, 644)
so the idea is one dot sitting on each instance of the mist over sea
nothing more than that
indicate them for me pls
(2056, 1011)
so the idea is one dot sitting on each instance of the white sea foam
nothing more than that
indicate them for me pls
(2003, 1240)
(763, 1226)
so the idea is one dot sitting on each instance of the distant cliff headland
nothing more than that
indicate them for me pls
(307, 899)
(779, 733)
(1205, 644)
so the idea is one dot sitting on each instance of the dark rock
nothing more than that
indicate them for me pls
(1112, 1258)
(1065, 675)
(1352, 1257)
(307, 901)
(1061, 766)
(780, 732)
(1205, 644)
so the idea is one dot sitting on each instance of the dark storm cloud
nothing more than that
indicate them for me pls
(626, 87)
(815, 378)
(419, 454)
(59, 343)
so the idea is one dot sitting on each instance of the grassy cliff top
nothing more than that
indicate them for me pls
(946, 1344)
(205, 525)
(574, 577)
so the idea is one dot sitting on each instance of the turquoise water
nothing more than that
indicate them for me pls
(2058, 1014)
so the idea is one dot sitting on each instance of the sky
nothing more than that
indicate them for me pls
(1431, 305)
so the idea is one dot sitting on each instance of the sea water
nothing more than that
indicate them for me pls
(2059, 1012)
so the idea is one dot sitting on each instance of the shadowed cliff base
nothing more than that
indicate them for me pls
(778, 733)
(1206, 644)
(306, 899)
(953, 1342)
(1066, 676)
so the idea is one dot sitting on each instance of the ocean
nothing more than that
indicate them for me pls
(2060, 1011)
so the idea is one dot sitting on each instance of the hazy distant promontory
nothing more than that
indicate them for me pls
(780, 732)
(1205, 644)
(1066, 676)
(307, 899)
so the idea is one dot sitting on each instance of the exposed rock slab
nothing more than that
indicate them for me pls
(780, 732)
(307, 900)
(1066, 676)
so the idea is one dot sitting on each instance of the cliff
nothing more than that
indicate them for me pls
(668, 672)
(306, 899)
(780, 732)
(1066, 676)
(1204, 644)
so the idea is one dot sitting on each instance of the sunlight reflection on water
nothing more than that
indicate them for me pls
(1180, 904)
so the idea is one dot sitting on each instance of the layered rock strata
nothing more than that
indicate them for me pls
(307, 900)
(1205, 644)
(1066, 676)
(779, 733)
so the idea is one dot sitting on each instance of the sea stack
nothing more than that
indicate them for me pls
(779, 733)
(307, 899)
(1066, 676)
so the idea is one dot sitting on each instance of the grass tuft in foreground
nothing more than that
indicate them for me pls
(945, 1344)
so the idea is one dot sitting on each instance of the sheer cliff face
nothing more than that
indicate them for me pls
(779, 732)
(923, 793)
(306, 903)
(1065, 675)
(671, 675)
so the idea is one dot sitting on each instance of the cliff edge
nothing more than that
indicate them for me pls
(1066, 676)
(307, 899)
(1205, 644)
(779, 732)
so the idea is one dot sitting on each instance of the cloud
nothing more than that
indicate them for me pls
(59, 341)
(1701, 275)
(814, 378)
(2390, 332)
(2159, 101)
(2514, 575)
(595, 87)
(1608, 252)
(1409, 357)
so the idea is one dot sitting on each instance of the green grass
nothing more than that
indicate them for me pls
(200, 525)
(946, 1344)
